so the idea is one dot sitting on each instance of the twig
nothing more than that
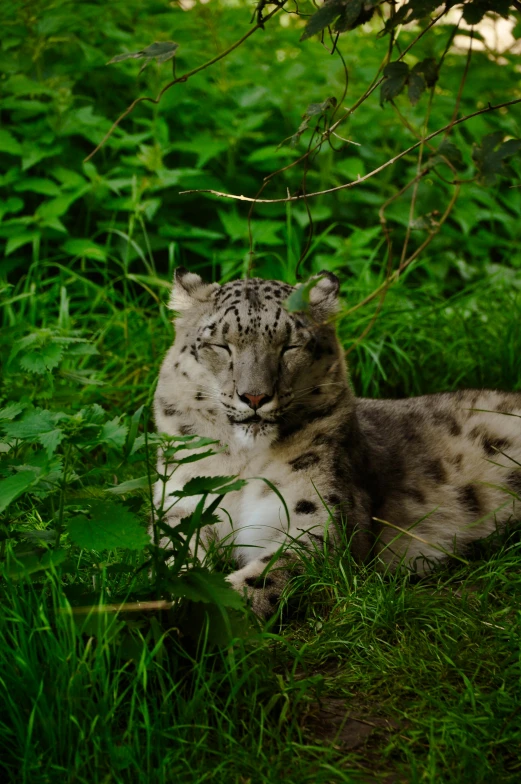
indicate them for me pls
(462, 83)
(184, 78)
(392, 278)
(347, 185)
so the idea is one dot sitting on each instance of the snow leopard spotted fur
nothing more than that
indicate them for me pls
(272, 388)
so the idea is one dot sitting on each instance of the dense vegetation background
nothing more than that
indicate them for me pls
(430, 672)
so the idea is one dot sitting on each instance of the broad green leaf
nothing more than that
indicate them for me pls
(298, 300)
(200, 585)
(85, 248)
(33, 154)
(448, 150)
(28, 563)
(326, 15)
(114, 433)
(8, 143)
(196, 457)
(37, 426)
(490, 157)
(32, 535)
(15, 486)
(429, 69)
(218, 485)
(45, 358)
(416, 87)
(38, 185)
(11, 411)
(108, 526)
(140, 483)
(396, 76)
(55, 208)
(350, 17)
(51, 440)
(19, 240)
(160, 51)
(13, 204)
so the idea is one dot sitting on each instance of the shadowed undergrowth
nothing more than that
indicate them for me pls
(360, 678)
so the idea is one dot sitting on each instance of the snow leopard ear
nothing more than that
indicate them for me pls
(323, 297)
(189, 289)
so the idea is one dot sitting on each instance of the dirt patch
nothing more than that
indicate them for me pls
(334, 721)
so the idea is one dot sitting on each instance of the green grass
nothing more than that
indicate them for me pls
(362, 677)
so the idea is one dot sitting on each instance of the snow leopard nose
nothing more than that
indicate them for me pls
(255, 401)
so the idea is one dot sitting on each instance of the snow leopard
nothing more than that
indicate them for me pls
(406, 482)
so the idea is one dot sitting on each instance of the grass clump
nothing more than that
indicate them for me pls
(360, 677)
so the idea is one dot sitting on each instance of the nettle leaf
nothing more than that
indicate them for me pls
(200, 585)
(184, 442)
(396, 77)
(196, 457)
(298, 300)
(414, 9)
(38, 426)
(140, 483)
(8, 143)
(15, 486)
(44, 359)
(159, 50)
(207, 517)
(490, 157)
(51, 440)
(114, 433)
(28, 563)
(325, 16)
(11, 411)
(108, 526)
(203, 485)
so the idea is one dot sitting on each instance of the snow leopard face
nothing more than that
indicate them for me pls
(244, 360)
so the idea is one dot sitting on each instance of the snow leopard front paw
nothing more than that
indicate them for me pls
(262, 589)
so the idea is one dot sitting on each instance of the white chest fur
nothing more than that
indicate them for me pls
(253, 519)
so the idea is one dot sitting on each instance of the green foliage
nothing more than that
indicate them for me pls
(298, 300)
(121, 659)
(161, 51)
(491, 155)
(108, 526)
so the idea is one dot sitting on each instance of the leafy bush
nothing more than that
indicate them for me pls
(89, 254)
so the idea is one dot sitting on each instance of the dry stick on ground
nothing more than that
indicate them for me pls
(184, 78)
(352, 184)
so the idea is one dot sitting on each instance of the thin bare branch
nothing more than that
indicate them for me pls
(183, 78)
(396, 274)
(352, 184)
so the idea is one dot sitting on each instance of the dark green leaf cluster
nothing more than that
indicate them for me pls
(398, 75)
(45, 452)
(491, 155)
(161, 51)
(341, 15)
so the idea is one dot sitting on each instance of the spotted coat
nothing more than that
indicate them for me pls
(407, 481)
